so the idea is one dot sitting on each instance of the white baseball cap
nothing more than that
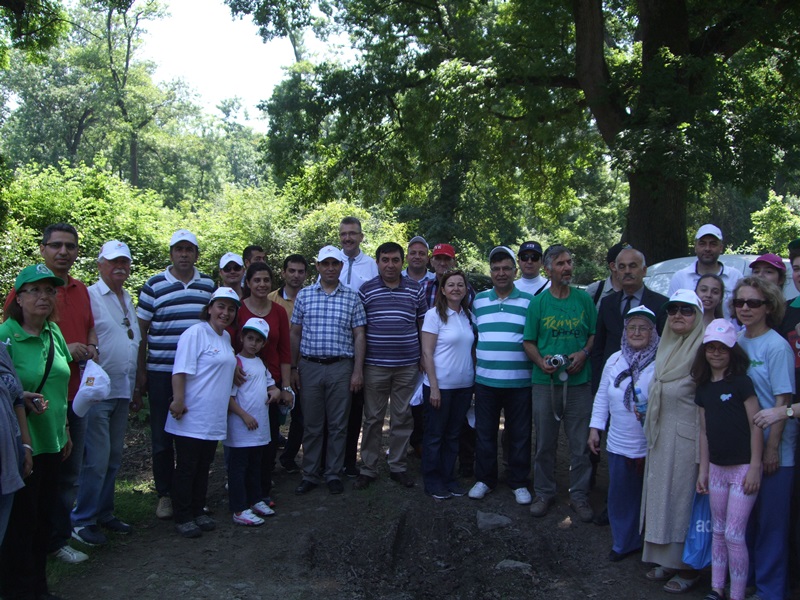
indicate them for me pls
(330, 252)
(709, 229)
(114, 249)
(684, 296)
(229, 257)
(183, 235)
(257, 325)
(225, 293)
(418, 239)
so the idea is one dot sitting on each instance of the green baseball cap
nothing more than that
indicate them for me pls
(36, 273)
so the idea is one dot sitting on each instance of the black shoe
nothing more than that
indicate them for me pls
(601, 519)
(304, 487)
(362, 482)
(335, 486)
(290, 466)
(351, 471)
(402, 478)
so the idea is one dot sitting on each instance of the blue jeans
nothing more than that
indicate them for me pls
(106, 423)
(440, 437)
(244, 476)
(67, 480)
(516, 406)
(159, 396)
(768, 535)
(625, 483)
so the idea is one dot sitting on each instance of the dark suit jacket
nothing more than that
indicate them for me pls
(608, 335)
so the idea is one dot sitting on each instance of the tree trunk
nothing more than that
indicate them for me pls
(657, 216)
(134, 159)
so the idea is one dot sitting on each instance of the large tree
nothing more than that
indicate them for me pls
(682, 93)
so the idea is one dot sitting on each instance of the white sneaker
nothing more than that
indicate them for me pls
(248, 518)
(261, 509)
(479, 490)
(522, 495)
(164, 508)
(70, 555)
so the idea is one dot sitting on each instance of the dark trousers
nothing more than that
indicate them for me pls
(625, 482)
(159, 396)
(418, 412)
(23, 557)
(244, 477)
(270, 451)
(354, 429)
(67, 479)
(295, 437)
(516, 406)
(190, 480)
(440, 442)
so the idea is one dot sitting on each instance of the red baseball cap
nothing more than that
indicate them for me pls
(444, 250)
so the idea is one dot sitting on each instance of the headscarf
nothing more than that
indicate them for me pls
(10, 390)
(674, 360)
(637, 360)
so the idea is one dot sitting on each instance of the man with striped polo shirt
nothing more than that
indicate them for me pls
(169, 303)
(502, 380)
(395, 306)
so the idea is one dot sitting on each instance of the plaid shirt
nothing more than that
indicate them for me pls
(328, 320)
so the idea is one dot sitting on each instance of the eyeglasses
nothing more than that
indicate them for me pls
(229, 268)
(638, 329)
(686, 311)
(36, 292)
(57, 245)
(717, 349)
(504, 269)
(127, 324)
(529, 258)
(751, 302)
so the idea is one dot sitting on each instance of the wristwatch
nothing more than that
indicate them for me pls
(789, 411)
(287, 389)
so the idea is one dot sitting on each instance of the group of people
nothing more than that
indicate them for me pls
(679, 386)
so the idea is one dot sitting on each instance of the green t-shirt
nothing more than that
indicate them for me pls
(29, 353)
(560, 326)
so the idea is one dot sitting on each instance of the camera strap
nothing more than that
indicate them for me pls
(49, 363)
(563, 405)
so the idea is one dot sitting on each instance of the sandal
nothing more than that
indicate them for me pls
(712, 595)
(681, 585)
(659, 573)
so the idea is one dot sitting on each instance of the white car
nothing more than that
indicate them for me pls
(660, 274)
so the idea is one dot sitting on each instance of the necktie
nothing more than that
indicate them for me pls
(627, 306)
(350, 261)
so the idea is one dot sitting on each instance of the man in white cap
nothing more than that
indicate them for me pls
(119, 336)
(417, 260)
(328, 348)
(169, 303)
(708, 246)
(231, 272)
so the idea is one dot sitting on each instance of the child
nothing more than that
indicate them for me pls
(730, 452)
(248, 428)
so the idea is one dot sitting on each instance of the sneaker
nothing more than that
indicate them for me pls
(440, 494)
(89, 535)
(164, 508)
(247, 518)
(262, 510)
(540, 507)
(117, 526)
(522, 495)
(69, 555)
(189, 529)
(584, 511)
(205, 523)
(268, 501)
(456, 491)
(479, 490)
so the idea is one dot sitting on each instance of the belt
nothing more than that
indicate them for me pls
(324, 360)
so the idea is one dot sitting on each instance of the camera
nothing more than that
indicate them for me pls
(38, 404)
(558, 361)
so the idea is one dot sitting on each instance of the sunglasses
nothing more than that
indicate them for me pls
(530, 258)
(127, 323)
(751, 302)
(686, 311)
(229, 268)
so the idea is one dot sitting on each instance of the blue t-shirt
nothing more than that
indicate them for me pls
(772, 372)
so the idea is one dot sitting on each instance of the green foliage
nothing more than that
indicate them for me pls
(775, 225)
(31, 26)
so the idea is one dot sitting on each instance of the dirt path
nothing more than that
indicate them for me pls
(386, 542)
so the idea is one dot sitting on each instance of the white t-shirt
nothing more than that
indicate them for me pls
(533, 286)
(209, 363)
(252, 397)
(626, 434)
(452, 357)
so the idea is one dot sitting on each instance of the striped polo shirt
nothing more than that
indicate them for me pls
(502, 361)
(172, 307)
(392, 316)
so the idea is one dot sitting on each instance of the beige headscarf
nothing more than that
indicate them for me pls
(674, 360)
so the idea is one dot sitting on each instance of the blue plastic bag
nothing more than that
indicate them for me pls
(697, 547)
